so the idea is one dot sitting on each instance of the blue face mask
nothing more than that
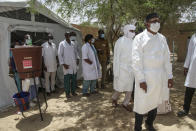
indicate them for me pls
(102, 35)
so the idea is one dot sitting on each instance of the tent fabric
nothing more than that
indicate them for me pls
(8, 25)
(7, 87)
(14, 3)
(39, 8)
(32, 28)
(5, 9)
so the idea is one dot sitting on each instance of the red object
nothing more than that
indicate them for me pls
(27, 64)
(28, 60)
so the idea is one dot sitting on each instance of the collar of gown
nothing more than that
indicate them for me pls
(88, 43)
(150, 34)
(67, 42)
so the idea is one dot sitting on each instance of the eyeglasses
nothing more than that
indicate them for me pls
(133, 31)
(155, 21)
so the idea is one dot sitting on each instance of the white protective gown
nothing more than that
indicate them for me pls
(90, 72)
(123, 75)
(190, 63)
(151, 63)
(67, 55)
(49, 52)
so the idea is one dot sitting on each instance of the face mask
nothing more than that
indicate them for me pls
(28, 41)
(154, 27)
(28, 37)
(130, 35)
(93, 41)
(50, 41)
(73, 38)
(102, 35)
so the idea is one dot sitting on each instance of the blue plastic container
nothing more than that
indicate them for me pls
(22, 101)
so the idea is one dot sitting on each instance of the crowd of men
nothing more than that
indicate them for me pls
(142, 61)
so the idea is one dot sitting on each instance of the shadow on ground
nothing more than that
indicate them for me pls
(33, 122)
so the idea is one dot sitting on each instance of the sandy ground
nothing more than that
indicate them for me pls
(96, 114)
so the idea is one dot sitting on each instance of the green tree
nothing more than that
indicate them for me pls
(113, 14)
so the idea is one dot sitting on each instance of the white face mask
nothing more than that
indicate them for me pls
(130, 35)
(28, 42)
(154, 27)
(72, 38)
(93, 41)
(50, 41)
(102, 35)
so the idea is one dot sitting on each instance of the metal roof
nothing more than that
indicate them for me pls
(10, 5)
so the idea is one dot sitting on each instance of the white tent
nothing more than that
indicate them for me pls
(14, 16)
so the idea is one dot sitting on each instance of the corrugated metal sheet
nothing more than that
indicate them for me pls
(8, 8)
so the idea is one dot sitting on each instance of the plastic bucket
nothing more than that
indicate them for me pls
(22, 100)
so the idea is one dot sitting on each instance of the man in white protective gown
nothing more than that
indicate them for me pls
(152, 70)
(190, 73)
(123, 75)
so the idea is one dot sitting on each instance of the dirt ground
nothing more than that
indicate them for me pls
(96, 113)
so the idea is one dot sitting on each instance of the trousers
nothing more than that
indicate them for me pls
(188, 98)
(104, 71)
(127, 98)
(89, 84)
(48, 83)
(150, 119)
(70, 83)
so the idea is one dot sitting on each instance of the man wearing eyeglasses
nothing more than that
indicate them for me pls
(153, 72)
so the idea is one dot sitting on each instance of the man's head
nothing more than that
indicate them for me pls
(50, 38)
(101, 34)
(73, 36)
(89, 38)
(67, 37)
(153, 23)
(17, 42)
(27, 37)
(129, 31)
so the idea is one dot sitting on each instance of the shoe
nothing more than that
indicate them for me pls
(74, 94)
(114, 103)
(86, 94)
(68, 96)
(94, 92)
(127, 108)
(102, 87)
(54, 91)
(182, 113)
(149, 127)
(48, 94)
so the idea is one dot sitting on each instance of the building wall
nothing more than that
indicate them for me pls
(87, 30)
(179, 35)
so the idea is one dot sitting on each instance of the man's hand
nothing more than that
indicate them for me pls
(108, 60)
(77, 61)
(170, 83)
(186, 71)
(66, 66)
(58, 65)
(88, 61)
(143, 85)
(45, 68)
